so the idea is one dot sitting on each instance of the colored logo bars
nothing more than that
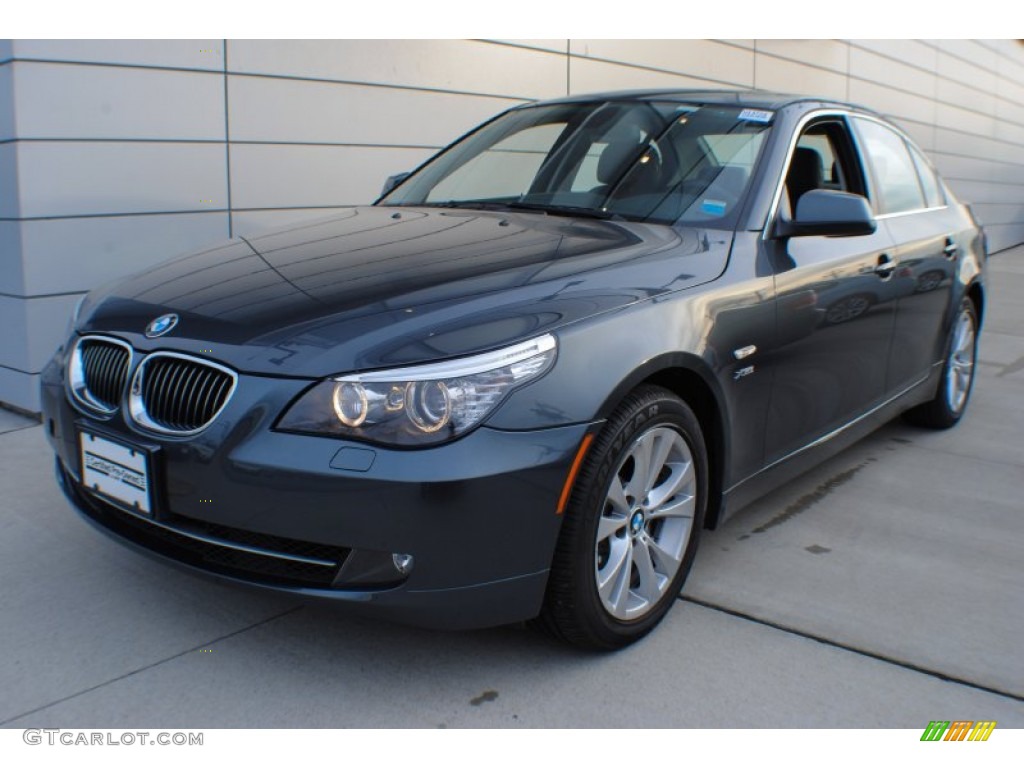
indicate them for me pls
(958, 730)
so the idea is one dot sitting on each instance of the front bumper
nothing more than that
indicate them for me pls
(299, 514)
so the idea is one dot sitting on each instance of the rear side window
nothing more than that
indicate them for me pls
(929, 181)
(896, 182)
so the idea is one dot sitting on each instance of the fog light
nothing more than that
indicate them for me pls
(403, 563)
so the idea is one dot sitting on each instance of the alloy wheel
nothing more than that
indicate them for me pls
(960, 370)
(646, 523)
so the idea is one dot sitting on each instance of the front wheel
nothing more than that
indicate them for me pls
(632, 524)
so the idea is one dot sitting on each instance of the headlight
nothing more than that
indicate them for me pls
(419, 405)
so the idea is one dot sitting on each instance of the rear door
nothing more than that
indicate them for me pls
(835, 303)
(910, 204)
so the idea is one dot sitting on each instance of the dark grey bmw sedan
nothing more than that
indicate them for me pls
(520, 384)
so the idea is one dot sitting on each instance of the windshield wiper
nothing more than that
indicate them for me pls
(566, 210)
(515, 205)
(480, 205)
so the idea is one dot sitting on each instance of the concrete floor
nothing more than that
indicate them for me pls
(883, 589)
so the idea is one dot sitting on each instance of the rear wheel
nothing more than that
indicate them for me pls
(950, 401)
(632, 524)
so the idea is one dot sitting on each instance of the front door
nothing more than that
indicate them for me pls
(836, 303)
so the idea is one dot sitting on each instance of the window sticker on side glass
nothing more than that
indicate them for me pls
(756, 115)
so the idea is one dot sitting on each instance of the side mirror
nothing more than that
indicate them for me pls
(393, 181)
(829, 213)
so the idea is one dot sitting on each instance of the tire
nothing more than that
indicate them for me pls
(622, 531)
(950, 401)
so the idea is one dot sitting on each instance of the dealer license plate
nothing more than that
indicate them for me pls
(116, 471)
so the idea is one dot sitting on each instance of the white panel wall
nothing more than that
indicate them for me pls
(116, 155)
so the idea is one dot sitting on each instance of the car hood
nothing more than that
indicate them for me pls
(378, 287)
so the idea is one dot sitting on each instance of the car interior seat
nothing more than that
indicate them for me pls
(806, 172)
(613, 162)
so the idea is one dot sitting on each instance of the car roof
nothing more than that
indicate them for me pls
(751, 98)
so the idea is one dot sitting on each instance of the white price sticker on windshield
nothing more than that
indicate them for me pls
(756, 115)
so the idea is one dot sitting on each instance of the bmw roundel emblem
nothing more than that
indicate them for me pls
(161, 325)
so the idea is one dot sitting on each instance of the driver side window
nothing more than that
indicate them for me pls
(822, 159)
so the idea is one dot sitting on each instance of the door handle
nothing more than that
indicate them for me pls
(886, 266)
(951, 249)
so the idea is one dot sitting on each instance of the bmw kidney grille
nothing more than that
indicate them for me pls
(177, 394)
(170, 393)
(98, 372)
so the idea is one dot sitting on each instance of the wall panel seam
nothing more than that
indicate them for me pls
(227, 142)
(520, 46)
(933, 72)
(119, 214)
(947, 127)
(390, 86)
(269, 76)
(966, 60)
(660, 70)
(890, 57)
(808, 64)
(64, 217)
(971, 180)
(19, 370)
(110, 64)
(41, 295)
(270, 142)
(984, 42)
(937, 100)
(975, 157)
(568, 66)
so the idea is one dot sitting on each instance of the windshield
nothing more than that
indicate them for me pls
(643, 161)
